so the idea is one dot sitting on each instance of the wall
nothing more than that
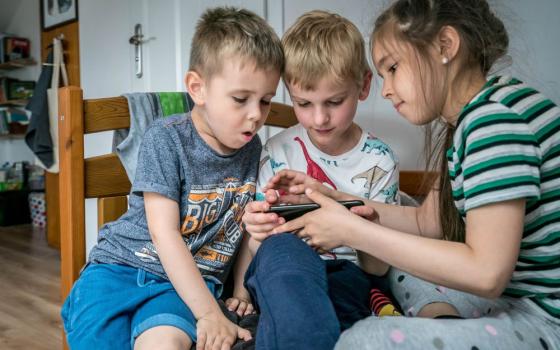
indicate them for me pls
(24, 21)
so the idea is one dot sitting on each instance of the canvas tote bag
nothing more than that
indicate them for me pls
(52, 98)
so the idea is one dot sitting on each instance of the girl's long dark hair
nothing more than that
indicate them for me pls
(484, 40)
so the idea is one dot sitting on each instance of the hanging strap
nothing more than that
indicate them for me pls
(58, 65)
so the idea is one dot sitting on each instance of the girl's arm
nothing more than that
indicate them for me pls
(483, 265)
(421, 221)
(162, 215)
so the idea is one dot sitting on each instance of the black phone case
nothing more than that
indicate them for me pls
(292, 211)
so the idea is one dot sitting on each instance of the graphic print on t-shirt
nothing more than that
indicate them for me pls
(313, 169)
(211, 226)
(372, 175)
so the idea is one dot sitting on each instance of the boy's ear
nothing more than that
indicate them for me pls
(449, 42)
(366, 85)
(195, 87)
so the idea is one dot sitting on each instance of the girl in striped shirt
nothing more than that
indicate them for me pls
(485, 244)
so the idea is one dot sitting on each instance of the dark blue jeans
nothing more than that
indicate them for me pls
(349, 288)
(296, 298)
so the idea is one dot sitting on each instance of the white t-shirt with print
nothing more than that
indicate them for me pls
(369, 170)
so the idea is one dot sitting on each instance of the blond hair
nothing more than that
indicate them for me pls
(323, 44)
(226, 32)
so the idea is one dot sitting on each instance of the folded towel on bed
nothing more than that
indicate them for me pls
(144, 108)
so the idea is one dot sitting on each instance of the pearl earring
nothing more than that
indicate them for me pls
(445, 60)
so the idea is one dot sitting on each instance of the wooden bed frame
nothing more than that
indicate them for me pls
(103, 177)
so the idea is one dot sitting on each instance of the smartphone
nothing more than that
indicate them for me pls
(292, 211)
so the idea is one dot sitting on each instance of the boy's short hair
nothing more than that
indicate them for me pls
(323, 44)
(226, 32)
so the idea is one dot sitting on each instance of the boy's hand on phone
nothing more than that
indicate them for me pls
(215, 331)
(241, 306)
(258, 223)
(292, 185)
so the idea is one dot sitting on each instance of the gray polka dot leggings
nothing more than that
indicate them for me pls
(504, 323)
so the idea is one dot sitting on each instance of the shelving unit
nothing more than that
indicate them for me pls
(8, 66)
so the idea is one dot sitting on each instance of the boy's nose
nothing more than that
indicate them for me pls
(255, 114)
(320, 116)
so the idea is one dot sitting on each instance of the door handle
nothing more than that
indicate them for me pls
(137, 40)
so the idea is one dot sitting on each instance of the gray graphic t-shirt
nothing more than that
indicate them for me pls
(211, 189)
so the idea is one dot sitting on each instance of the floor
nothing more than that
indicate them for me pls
(29, 290)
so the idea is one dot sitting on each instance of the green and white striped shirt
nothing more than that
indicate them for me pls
(507, 146)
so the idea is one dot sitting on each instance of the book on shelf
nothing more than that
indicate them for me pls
(13, 120)
(13, 48)
(14, 89)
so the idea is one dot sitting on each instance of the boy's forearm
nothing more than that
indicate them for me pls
(183, 273)
(243, 260)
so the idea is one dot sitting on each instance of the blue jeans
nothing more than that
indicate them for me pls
(111, 305)
(287, 281)
(349, 288)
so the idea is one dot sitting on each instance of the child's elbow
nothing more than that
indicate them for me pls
(492, 285)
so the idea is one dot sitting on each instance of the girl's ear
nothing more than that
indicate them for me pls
(195, 87)
(366, 85)
(449, 42)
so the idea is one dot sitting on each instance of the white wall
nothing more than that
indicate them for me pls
(23, 21)
(533, 28)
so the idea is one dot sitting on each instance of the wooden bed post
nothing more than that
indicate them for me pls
(72, 206)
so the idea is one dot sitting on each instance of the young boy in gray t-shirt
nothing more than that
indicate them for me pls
(155, 274)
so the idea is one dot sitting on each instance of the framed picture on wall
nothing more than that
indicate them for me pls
(58, 12)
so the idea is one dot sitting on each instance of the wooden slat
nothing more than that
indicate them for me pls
(71, 177)
(105, 177)
(412, 182)
(104, 114)
(110, 209)
(281, 115)
(112, 113)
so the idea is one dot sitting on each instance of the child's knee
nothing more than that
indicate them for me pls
(163, 337)
(286, 253)
(437, 309)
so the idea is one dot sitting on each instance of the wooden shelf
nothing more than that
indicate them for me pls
(12, 136)
(17, 103)
(16, 64)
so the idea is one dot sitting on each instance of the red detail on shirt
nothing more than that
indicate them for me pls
(313, 169)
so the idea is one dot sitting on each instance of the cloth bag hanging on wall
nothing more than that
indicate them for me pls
(42, 133)
(52, 97)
